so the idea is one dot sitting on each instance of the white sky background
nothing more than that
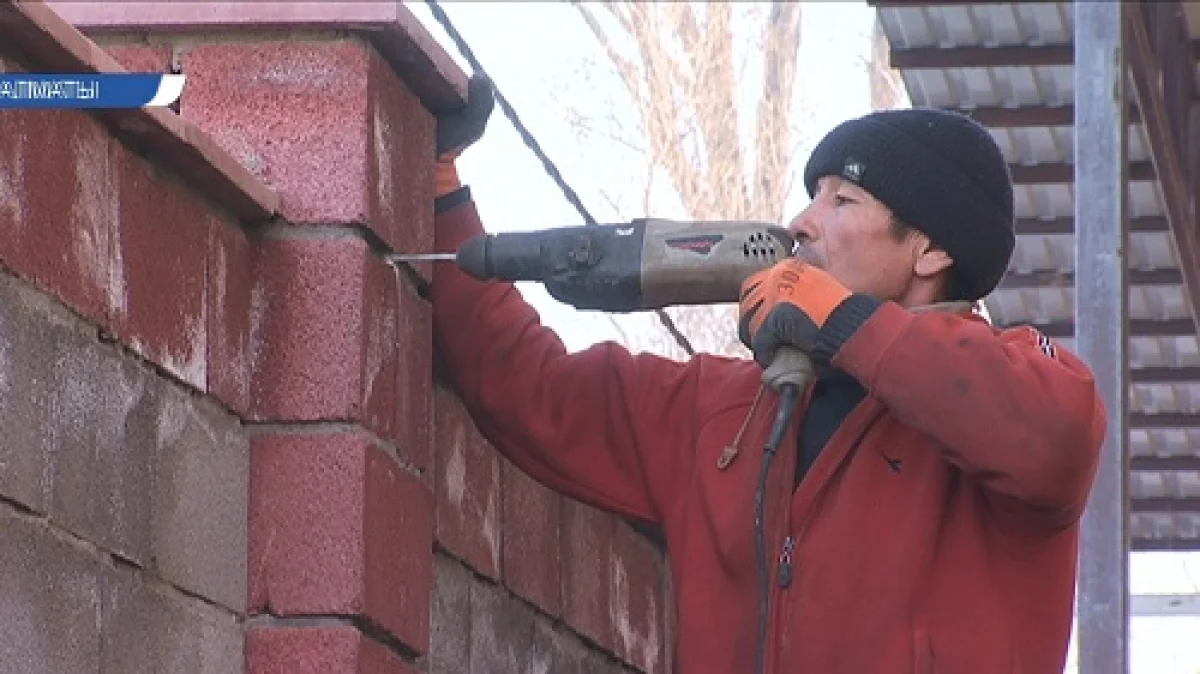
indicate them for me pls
(546, 62)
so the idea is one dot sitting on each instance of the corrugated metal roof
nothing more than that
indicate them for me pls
(1010, 64)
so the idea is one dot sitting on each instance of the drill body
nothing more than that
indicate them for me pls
(645, 264)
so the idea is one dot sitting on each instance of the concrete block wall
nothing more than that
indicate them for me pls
(227, 449)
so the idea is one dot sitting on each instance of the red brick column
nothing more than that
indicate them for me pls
(341, 523)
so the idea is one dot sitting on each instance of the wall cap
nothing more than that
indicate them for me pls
(413, 53)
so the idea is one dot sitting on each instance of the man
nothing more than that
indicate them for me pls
(922, 514)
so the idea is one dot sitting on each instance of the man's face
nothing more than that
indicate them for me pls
(848, 233)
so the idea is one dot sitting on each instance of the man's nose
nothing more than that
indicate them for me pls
(804, 226)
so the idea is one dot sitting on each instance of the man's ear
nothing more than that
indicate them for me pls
(931, 262)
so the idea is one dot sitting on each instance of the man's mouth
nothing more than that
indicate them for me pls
(808, 255)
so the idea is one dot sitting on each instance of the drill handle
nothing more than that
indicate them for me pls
(789, 366)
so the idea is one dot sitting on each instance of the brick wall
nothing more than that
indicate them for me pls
(227, 449)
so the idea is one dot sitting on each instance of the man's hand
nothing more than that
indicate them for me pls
(459, 129)
(786, 304)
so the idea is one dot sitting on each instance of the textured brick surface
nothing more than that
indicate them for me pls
(501, 630)
(636, 600)
(323, 650)
(141, 58)
(323, 339)
(467, 490)
(337, 529)
(587, 537)
(230, 297)
(58, 207)
(530, 540)
(399, 551)
(380, 348)
(414, 367)
(150, 628)
(50, 595)
(289, 111)
(450, 629)
(201, 487)
(401, 145)
(163, 243)
(308, 341)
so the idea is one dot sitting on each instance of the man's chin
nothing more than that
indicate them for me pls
(809, 256)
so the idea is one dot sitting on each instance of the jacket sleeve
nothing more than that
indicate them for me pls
(1009, 407)
(603, 426)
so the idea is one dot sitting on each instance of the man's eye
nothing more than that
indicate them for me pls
(840, 200)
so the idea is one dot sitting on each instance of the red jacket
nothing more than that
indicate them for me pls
(937, 531)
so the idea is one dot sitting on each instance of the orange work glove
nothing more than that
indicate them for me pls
(445, 176)
(786, 304)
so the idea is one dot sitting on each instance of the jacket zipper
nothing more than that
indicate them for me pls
(785, 562)
(786, 574)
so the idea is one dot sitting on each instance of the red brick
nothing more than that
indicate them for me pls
(636, 600)
(399, 551)
(160, 291)
(467, 487)
(414, 395)
(324, 340)
(379, 369)
(401, 165)
(326, 650)
(295, 113)
(58, 207)
(529, 544)
(141, 58)
(230, 284)
(307, 348)
(587, 536)
(337, 529)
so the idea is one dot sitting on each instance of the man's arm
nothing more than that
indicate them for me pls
(603, 426)
(1020, 414)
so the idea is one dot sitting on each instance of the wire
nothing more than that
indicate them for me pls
(551, 169)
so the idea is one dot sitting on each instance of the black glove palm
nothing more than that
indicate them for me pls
(460, 128)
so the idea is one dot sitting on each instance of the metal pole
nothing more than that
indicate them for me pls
(1101, 314)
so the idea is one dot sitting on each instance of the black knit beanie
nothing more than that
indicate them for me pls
(939, 172)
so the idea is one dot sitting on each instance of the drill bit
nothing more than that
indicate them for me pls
(422, 257)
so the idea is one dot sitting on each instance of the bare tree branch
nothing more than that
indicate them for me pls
(677, 63)
(773, 129)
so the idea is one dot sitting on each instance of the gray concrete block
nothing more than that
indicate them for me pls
(49, 600)
(554, 651)
(33, 331)
(201, 460)
(599, 662)
(100, 438)
(501, 630)
(151, 628)
(450, 617)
